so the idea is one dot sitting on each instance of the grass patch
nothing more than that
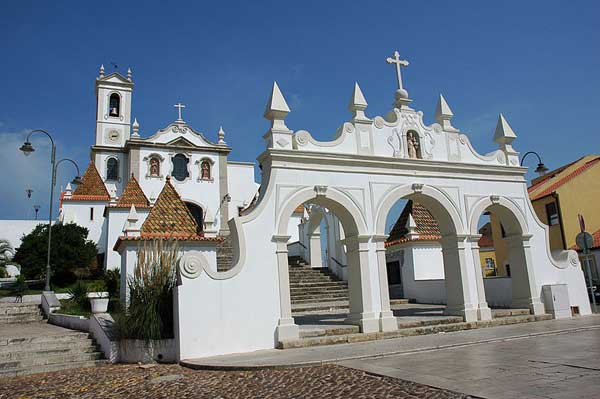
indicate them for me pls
(58, 290)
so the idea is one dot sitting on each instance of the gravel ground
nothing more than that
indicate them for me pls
(173, 381)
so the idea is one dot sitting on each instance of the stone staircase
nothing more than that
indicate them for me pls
(349, 334)
(30, 345)
(315, 290)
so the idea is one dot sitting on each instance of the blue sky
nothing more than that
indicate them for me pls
(535, 61)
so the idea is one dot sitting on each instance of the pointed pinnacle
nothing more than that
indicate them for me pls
(358, 99)
(276, 102)
(443, 109)
(504, 133)
(411, 225)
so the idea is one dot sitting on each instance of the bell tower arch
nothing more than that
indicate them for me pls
(113, 108)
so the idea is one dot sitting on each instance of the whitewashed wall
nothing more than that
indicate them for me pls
(241, 185)
(14, 230)
(78, 212)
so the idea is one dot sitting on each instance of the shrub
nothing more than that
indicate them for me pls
(70, 250)
(78, 293)
(3, 272)
(150, 312)
(112, 280)
(20, 286)
(6, 253)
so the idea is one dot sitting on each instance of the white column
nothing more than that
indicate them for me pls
(314, 246)
(524, 287)
(461, 291)
(483, 310)
(387, 321)
(360, 286)
(286, 328)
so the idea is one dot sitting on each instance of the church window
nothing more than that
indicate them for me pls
(154, 167)
(180, 167)
(91, 213)
(114, 105)
(552, 213)
(205, 170)
(112, 169)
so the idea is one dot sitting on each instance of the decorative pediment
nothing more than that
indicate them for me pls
(181, 134)
(181, 142)
(115, 77)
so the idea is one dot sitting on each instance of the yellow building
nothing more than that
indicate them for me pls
(560, 195)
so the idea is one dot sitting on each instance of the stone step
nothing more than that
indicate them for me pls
(24, 352)
(51, 367)
(342, 296)
(319, 306)
(497, 313)
(19, 308)
(47, 359)
(21, 318)
(9, 344)
(322, 332)
(402, 324)
(319, 284)
(399, 301)
(406, 332)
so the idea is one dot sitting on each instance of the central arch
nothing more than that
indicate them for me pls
(363, 309)
(461, 296)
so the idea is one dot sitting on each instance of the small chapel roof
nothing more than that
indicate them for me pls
(92, 187)
(170, 217)
(133, 195)
(427, 227)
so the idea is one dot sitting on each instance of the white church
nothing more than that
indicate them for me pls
(175, 183)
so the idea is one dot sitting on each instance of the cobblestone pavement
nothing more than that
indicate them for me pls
(173, 381)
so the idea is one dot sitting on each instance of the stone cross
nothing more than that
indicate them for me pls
(396, 60)
(179, 106)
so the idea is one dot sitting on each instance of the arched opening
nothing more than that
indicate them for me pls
(422, 256)
(112, 169)
(114, 105)
(197, 213)
(312, 296)
(500, 251)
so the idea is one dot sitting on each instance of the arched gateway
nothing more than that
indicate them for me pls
(369, 165)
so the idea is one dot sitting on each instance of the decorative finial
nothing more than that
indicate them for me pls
(401, 94)
(358, 104)
(443, 115)
(68, 191)
(411, 226)
(221, 135)
(504, 135)
(101, 71)
(129, 74)
(131, 228)
(179, 106)
(136, 128)
(277, 108)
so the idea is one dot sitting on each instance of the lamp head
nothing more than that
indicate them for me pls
(77, 181)
(541, 169)
(27, 148)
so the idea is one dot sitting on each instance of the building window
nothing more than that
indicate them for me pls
(205, 170)
(180, 169)
(154, 167)
(114, 105)
(552, 213)
(197, 214)
(112, 169)
(91, 213)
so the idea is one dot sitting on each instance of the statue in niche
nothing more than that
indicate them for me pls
(414, 150)
(205, 171)
(154, 167)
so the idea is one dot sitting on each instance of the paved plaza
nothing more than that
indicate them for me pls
(549, 366)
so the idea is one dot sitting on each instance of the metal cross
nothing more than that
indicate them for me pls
(396, 60)
(179, 106)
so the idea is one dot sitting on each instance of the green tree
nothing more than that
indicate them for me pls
(71, 250)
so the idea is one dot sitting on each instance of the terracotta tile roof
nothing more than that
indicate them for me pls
(170, 217)
(299, 209)
(133, 195)
(92, 188)
(596, 244)
(427, 227)
(551, 181)
(486, 240)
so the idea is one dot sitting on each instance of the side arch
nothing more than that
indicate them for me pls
(515, 221)
(444, 211)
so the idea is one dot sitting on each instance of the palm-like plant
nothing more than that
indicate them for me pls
(6, 252)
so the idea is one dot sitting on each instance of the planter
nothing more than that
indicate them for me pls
(99, 301)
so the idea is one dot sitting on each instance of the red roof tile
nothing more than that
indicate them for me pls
(551, 181)
(92, 187)
(427, 227)
(133, 195)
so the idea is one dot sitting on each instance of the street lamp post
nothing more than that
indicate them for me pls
(541, 168)
(27, 149)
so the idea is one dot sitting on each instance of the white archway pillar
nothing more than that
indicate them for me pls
(286, 328)
(461, 292)
(483, 310)
(524, 288)
(387, 321)
(314, 237)
(360, 286)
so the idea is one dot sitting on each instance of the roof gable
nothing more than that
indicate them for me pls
(169, 217)
(133, 195)
(427, 227)
(92, 187)
(553, 180)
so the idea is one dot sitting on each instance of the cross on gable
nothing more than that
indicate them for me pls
(179, 106)
(396, 60)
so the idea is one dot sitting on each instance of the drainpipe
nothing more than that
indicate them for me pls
(560, 220)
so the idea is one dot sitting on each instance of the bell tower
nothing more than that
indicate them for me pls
(113, 108)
